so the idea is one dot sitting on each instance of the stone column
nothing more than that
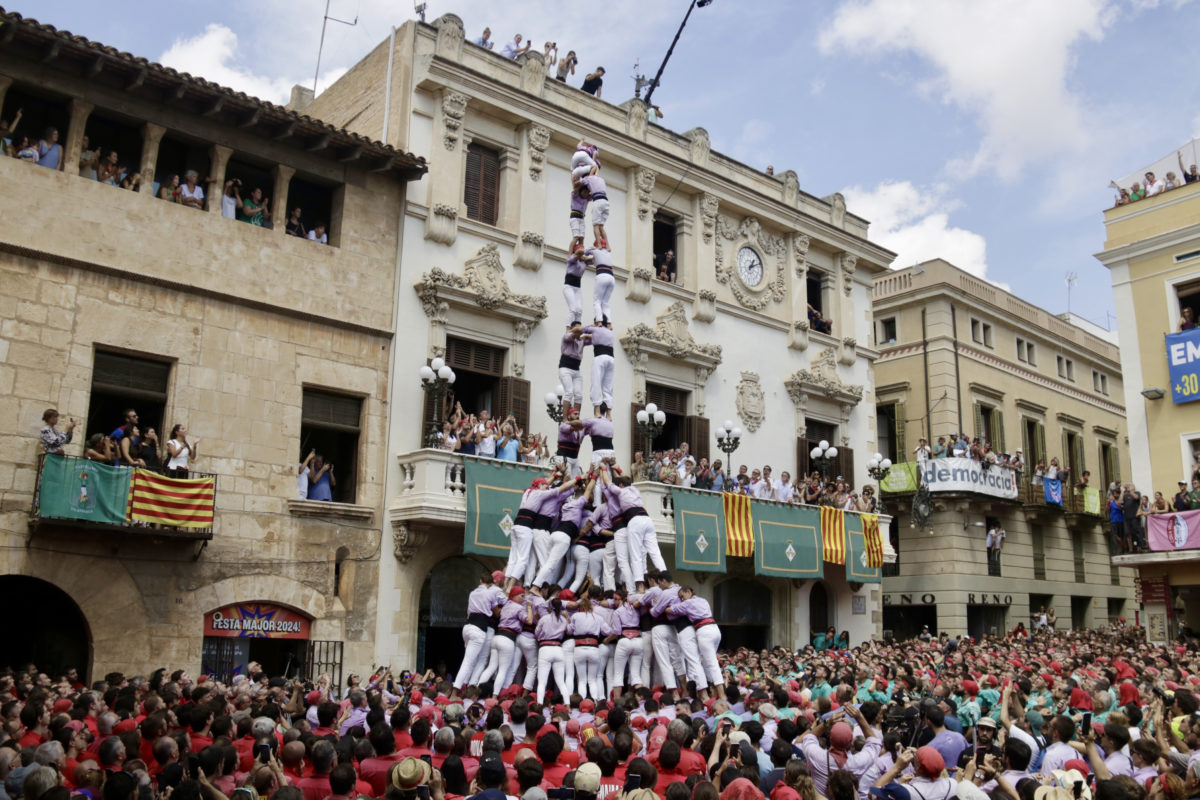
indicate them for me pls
(279, 209)
(508, 216)
(218, 160)
(798, 266)
(73, 146)
(151, 137)
(639, 218)
(447, 162)
(531, 228)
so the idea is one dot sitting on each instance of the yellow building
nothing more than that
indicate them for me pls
(1152, 250)
(960, 355)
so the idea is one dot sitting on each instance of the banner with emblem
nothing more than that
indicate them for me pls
(699, 530)
(787, 541)
(864, 545)
(1052, 488)
(75, 488)
(1174, 530)
(494, 490)
(1091, 500)
(901, 477)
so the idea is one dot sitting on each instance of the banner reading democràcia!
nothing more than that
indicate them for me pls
(494, 490)
(1183, 365)
(75, 488)
(699, 530)
(1175, 530)
(787, 541)
(968, 475)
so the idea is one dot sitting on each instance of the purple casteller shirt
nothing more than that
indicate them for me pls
(595, 185)
(601, 335)
(576, 267)
(572, 346)
(549, 627)
(663, 603)
(574, 510)
(601, 259)
(695, 609)
(625, 616)
(483, 599)
(512, 615)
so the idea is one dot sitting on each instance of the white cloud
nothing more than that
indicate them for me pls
(915, 223)
(1007, 62)
(213, 55)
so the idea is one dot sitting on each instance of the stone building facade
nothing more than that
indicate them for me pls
(958, 354)
(485, 243)
(262, 344)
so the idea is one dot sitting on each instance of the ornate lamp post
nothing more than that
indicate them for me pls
(878, 468)
(728, 438)
(436, 379)
(554, 403)
(822, 457)
(650, 421)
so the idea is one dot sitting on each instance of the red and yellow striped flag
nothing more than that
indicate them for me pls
(180, 502)
(833, 535)
(873, 539)
(739, 528)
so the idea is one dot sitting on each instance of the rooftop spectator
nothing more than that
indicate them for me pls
(1154, 185)
(52, 438)
(486, 39)
(255, 209)
(169, 189)
(109, 171)
(1190, 175)
(294, 227)
(550, 54)
(231, 198)
(566, 66)
(89, 159)
(7, 128)
(770, 170)
(514, 48)
(594, 82)
(49, 150)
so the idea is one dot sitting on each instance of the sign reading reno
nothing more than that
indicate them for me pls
(968, 475)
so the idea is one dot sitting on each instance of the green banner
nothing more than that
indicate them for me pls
(1091, 500)
(856, 557)
(699, 530)
(494, 490)
(900, 478)
(787, 541)
(75, 488)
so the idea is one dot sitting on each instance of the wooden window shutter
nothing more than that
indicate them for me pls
(845, 464)
(513, 398)
(997, 430)
(637, 439)
(979, 431)
(1080, 463)
(1064, 455)
(898, 433)
(803, 447)
(473, 181)
(481, 189)
(1039, 445)
(697, 436)
(1114, 464)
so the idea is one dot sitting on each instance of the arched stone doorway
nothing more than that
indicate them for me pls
(443, 611)
(61, 639)
(819, 618)
(743, 610)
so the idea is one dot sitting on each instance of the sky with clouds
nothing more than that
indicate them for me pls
(984, 132)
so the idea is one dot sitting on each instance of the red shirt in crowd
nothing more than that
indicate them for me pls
(374, 771)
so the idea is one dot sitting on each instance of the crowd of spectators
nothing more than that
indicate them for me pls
(678, 467)
(563, 66)
(479, 435)
(1068, 715)
(1155, 185)
(128, 445)
(959, 445)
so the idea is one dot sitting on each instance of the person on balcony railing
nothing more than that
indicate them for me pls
(940, 450)
(131, 444)
(923, 452)
(100, 448)
(322, 483)
(52, 438)
(180, 451)
(190, 194)
(304, 473)
(1117, 540)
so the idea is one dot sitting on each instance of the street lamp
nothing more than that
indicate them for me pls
(728, 438)
(436, 380)
(878, 468)
(554, 404)
(822, 457)
(651, 421)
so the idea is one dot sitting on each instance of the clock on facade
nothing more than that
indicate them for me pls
(750, 266)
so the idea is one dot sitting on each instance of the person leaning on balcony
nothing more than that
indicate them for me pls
(1160, 505)
(99, 448)
(190, 194)
(49, 150)
(180, 450)
(1194, 495)
(52, 438)
(1187, 319)
(147, 449)
(939, 449)
(130, 444)
(322, 483)
(1117, 540)
(255, 209)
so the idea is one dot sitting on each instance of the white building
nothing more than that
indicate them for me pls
(484, 248)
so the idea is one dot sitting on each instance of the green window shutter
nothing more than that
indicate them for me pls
(997, 430)
(901, 448)
(1080, 461)
(1026, 448)
(978, 422)
(1040, 444)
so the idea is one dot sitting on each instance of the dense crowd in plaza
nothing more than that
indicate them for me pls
(1052, 716)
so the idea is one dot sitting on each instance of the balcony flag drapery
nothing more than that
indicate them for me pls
(494, 490)
(787, 541)
(177, 501)
(864, 548)
(699, 530)
(739, 525)
(833, 534)
(75, 488)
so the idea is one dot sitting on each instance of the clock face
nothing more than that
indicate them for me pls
(750, 266)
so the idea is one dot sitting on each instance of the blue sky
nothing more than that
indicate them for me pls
(981, 131)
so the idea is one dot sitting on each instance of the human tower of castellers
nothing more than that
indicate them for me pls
(575, 609)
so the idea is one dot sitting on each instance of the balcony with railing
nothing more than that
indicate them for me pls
(78, 493)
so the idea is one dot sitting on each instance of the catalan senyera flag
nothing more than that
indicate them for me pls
(739, 527)
(833, 535)
(179, 502)
(874, 539)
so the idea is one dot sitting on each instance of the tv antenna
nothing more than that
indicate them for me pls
(420, 9)
(324, 24)
(639, 80)
(1072, 279)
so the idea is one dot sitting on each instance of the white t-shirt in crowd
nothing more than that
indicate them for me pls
(229, 206)
(302, 482)
(180, 459)
(486, 446)
(193, 194)
(323, 239)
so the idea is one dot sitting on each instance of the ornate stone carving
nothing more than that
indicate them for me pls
(798, 335)
(800, 245)
(539, 140)
(482, 284)
(636, 123)
(791, 188)
(821, 378)
(644, 180)
(849, 266)
(405, 541)
(670, 337)
(450, 36)
(704, 309)
(528, 254)
(750, 231)
(533, 71)
(709, 205)
(441, 225)
(522, 331)
(640, 287)
(699, 145)
(837, 210)
(848, 353)
(751, 402)
(454, 108)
